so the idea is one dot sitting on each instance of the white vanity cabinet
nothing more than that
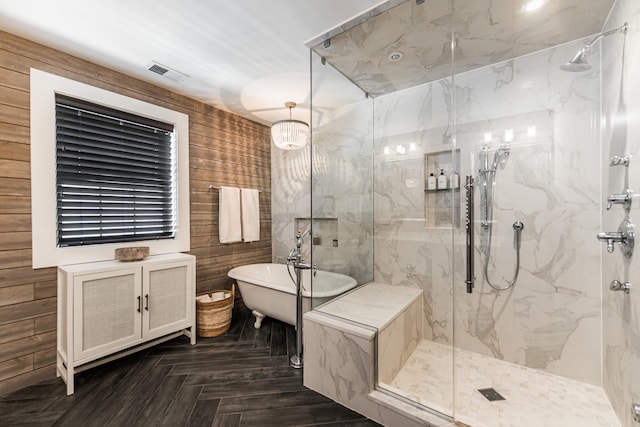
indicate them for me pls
(110, 309)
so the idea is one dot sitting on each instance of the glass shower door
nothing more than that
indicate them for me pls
(526, 132)
(415, 219)
(390, 140)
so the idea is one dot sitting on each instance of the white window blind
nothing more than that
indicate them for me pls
(115, 175)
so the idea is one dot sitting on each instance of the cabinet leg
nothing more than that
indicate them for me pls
(69, 383)
(66, 372)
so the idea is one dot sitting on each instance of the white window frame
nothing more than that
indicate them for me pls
(45, 251)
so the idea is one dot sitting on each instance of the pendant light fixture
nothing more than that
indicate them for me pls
(289, 134)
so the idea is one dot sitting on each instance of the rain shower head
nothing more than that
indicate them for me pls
(579, 62)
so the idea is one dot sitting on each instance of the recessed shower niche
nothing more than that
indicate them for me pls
(325, 230)
(442, 189)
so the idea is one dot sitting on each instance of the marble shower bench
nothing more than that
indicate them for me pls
(344, 338)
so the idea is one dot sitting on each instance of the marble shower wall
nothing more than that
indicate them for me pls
(551, 182)
(290, 198)
(621, 136)
(342, 197)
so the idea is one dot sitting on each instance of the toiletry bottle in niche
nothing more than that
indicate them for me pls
(431, 182)
(442, 180)
(454, 181)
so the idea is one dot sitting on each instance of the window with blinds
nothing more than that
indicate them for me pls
(116, 175)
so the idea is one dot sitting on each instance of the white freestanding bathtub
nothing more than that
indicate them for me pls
(268, 290)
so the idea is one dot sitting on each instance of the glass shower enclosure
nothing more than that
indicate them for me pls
(451, 155)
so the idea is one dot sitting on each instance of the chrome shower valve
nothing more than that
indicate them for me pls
(624, 237)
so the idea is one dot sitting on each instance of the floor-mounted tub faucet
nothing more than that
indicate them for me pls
(295, 257)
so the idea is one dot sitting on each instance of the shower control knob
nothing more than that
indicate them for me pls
(617, 285)
(620, 199)
(619, 161)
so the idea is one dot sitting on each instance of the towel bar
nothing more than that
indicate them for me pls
(214, 187)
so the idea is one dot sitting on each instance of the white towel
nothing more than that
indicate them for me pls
(250, 215)
(204, 298)
(229, 226)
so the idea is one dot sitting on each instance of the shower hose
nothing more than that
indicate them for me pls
(517, 230)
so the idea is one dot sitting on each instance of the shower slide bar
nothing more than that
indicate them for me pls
(469, 228)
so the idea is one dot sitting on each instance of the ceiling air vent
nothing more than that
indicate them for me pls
(167, 72)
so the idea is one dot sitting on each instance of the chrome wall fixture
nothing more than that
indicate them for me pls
(621, 199)
(579, 62)
(619, 161)
(470, 230)
(487, 176)
(295, 257)
(617, 285)
(624, 237)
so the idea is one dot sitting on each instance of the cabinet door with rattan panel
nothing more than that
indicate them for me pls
(169, 297)
(106, 316)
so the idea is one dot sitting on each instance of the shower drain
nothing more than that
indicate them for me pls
(491, 394)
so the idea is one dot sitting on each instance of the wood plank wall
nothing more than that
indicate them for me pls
(224, 150)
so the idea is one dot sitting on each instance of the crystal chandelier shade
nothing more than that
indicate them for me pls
(289, 134)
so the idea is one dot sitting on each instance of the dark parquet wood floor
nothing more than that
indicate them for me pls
(239, 379)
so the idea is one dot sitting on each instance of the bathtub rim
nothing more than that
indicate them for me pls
(238, 273)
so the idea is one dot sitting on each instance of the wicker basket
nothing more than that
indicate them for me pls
(214, 318)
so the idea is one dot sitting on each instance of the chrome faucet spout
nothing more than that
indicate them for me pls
(293, 254)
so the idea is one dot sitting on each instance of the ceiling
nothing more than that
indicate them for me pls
(249, 57)
(410, 44)
(243, 56)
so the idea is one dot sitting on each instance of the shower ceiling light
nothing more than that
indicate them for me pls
(289, 134)
(533, 5)
(395, 56)
(508, 135)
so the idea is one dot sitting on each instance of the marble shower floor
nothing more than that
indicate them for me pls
(532, 398)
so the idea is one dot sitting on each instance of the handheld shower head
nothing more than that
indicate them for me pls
(301, 235)
(579, 62)
(501, 153)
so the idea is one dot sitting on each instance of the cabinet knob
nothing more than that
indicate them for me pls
(146, 302)
(139, 303)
